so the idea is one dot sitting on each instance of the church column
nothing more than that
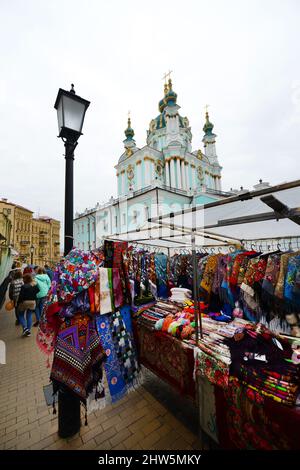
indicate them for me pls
(187, 179)
(138, 175)
(193, 176)
(172, 173)
(179, 179)
(147, 172)
(167, 173)
(183, 175)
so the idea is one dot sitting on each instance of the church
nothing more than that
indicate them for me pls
(164, 176)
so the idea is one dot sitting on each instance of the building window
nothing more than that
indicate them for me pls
(124, 219)
(147, 213)
(93, 226)
(116, 221)
(134, 217)
(78, 228)
(82, 228)
(83, 245)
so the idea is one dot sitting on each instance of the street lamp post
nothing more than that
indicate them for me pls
(31, 254)
(71, 110)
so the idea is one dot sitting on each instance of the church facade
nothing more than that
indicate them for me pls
(164, 176)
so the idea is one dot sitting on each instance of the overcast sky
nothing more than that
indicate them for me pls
(241, 57)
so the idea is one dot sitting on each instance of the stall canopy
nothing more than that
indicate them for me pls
(269, 213)
(164, 237)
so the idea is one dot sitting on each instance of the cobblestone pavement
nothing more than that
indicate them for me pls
(153, 417)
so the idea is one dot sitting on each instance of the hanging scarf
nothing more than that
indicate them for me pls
(105, 292)
(117, 287)
(116, 383)
(108, 253)
(292, 283)
(78, 357)
(284, 260)
(118, 249)
(126, 352)
(91, 292)
(209, 273)
(255, 273)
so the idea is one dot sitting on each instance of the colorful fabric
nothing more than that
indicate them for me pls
(116, 383)
(75, 273)
(169, 358)
(247, 421)
(209, 273)
(119, 248)
(105, 292)
(78, 357)
(91, 291)
(255, 273)
(292, 283)
(284, 261)
(117, 287)
(161, 275)
(125, 348)
(208, 366)
(108, 253)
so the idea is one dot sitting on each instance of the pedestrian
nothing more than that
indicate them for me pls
(14, 291)
(49, 271)
(44, 283)
(27, 303)
(28, 269)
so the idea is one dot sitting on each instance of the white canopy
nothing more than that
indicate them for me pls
(262, 214)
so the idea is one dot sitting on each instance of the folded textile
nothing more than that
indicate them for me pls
(105, 292)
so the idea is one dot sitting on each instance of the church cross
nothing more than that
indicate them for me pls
(166, 75)
(206, 107)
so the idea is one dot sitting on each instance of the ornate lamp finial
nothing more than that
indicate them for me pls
(72, 89)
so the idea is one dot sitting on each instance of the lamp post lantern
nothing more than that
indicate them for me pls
(71, 110)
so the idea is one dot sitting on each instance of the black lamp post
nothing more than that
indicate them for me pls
(71, 110)
(31, 254)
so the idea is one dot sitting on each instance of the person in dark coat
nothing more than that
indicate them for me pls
(27, 303)
(14, 291)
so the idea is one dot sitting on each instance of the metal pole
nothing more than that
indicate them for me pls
(68, 403)
(69, 194)
(198, 320)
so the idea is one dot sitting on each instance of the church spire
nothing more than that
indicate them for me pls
(129, 142)
(208, 126)
(129, 132)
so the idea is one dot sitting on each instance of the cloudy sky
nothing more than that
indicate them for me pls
(240, 57)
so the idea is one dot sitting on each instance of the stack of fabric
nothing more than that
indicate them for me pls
(280, 385)
(179, 294)
(159, 311)
(262, 361)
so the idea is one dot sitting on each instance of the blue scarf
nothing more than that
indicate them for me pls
(116, 382)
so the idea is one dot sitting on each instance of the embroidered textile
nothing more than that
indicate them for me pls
(78, 357)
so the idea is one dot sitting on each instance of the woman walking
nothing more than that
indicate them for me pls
(14, 291)
(44, 283)
(27, 303)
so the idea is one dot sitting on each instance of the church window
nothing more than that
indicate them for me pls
(124, 219)
(147, 213)
(82, 228)
(116, 220)
(134, 218)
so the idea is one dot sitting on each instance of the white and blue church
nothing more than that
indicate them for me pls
(164, 176)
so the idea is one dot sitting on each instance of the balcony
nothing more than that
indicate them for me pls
(43, 232)
(24, 242)
(43, 242)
